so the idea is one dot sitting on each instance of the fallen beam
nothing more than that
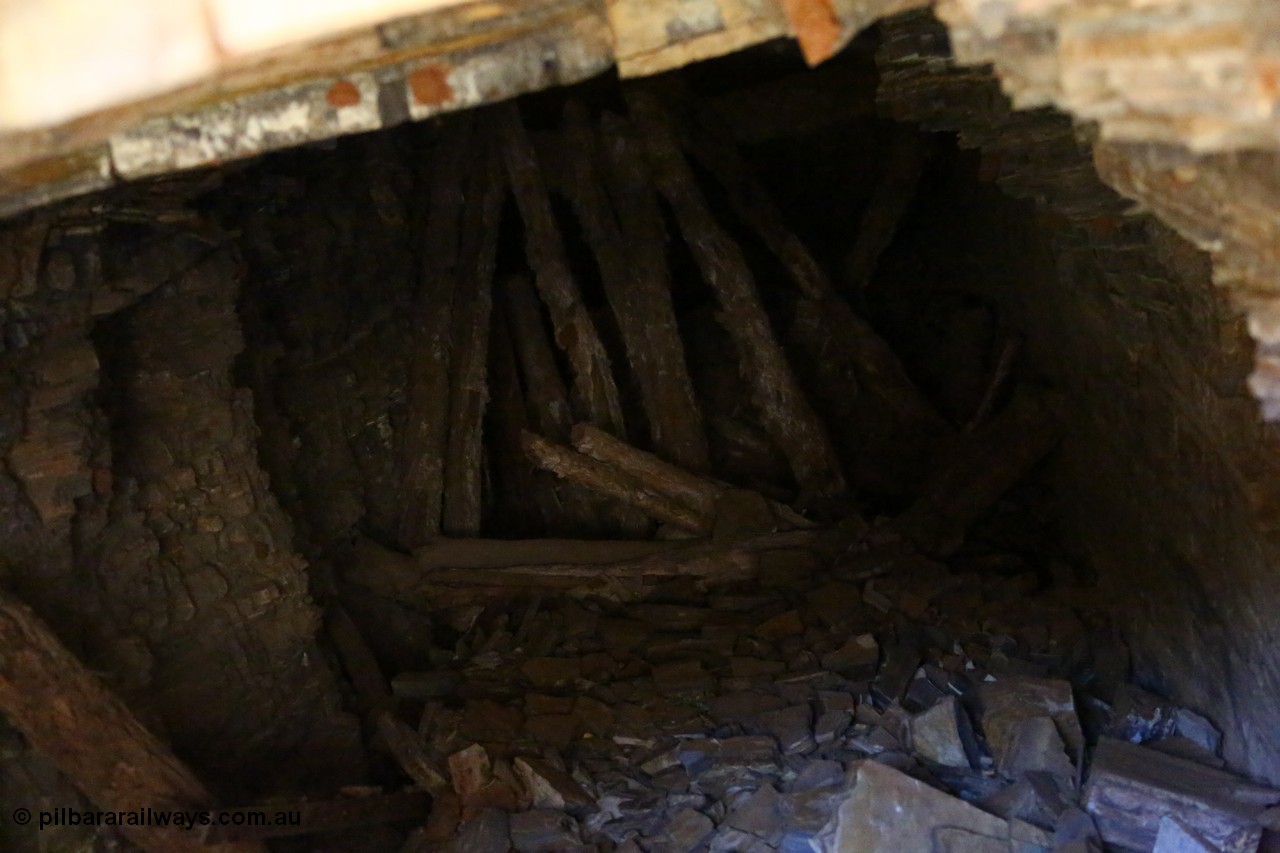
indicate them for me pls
(68, 715)
(703, 495)
(712, 150)
(526, 504)
(889, 433)
(997, 380)
(406, 747)
(422, 444)
(699, 494)
(900, 176)
(624, 229)
(986, 464)
(546, 397)
(784, 411)
(606, 480)
(358, 662)
(469, 392)
(501, 553)
(680, 433)
(435, 586)
(575, 332)
(878, 371)
(547, 407)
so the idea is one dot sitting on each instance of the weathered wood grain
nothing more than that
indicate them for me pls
(479, 571)
(625, 234)
(784, 411)
(594, 388)
(70, 716)
(605, 480)
(473, 305)
(422, 445)
(547, 404)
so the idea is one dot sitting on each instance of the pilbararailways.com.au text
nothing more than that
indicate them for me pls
(176, 818)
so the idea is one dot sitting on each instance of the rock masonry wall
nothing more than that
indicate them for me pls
(1157, 359)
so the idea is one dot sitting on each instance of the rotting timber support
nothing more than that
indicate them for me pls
(70, 716)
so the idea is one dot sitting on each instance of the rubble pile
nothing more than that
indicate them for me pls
(885, 705)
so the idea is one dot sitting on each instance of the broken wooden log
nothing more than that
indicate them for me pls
(702, 561)
(882, 407)
(549, 407)
(744, 448)
(406, 747)
(525, 505)
(889, 433)
(881, 380)
(606, 480)
(882, 414)
(545, 394)
(699, 494)
(644, 234)
(593, 384)
(627, 239)
(701, 137)
(473, 304)
(986, 463)
(784, 411)
(67, 714)
(703, 495)
(546, 399)
(403, 578)
(285, 819)
(423, 439)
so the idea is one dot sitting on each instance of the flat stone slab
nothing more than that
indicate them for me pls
(1131, 788)
(890, 812)
(935, 734)
(1008, 702)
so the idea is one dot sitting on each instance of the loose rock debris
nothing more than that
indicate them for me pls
(772, 713)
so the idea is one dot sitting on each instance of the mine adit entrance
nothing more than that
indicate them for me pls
(722, 461)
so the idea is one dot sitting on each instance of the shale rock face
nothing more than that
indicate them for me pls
(138, 521)
(199, 564)
(1188, 367)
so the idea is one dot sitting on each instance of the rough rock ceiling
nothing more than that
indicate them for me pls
(1198, 75)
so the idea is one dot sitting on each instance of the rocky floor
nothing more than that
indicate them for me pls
(809, 710)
